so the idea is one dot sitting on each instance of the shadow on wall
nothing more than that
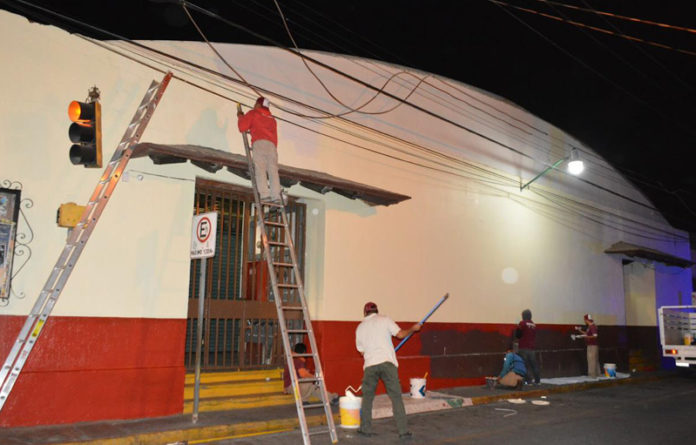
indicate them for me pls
(340, 203)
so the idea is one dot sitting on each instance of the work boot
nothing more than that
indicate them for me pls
(365, 434)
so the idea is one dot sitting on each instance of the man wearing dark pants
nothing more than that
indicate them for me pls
(373, 341)
(526, 333)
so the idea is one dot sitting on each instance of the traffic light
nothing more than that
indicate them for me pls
(85, 133)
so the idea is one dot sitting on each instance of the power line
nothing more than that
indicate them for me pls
(502, 6)
(217, 74)
(595, 28)
(621, 17)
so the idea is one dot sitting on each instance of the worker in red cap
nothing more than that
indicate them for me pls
(264, 139)
(590, 336)
(373, 341)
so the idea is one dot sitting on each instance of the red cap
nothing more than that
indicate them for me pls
(263, 102)
(588, 317)
(370, 307)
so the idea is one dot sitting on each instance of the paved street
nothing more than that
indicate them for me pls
(648, 413)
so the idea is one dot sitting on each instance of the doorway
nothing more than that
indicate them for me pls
(240, 320)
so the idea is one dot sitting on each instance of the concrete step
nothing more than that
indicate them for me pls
(240, 402)
(231, 389)
(221, 391)
(234, 376)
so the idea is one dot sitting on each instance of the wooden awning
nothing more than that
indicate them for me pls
(633, 250)
(212, 160)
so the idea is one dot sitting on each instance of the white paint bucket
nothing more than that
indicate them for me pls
(417, 388)
(349, 408)
(610, 370)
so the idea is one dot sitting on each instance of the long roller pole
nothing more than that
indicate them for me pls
(439, 303)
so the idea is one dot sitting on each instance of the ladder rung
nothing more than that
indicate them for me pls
(312, 405)
(318, 431)
(272, 204)
(284, 264)
(308, 379)
(273, 223)
(277, 244)
(306, 354)
(297, 331)
(288, 285)
(292, 308)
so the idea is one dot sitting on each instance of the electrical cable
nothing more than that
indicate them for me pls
(502, 5)
(642, 50)
(620, 17)
(169, 56)
(607, 48)
(595, 28)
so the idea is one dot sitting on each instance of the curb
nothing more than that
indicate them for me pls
(573, 387)
(220, 432)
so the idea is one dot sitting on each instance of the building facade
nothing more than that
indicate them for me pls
(119, 340)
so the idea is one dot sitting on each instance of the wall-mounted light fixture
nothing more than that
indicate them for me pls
(575, 166)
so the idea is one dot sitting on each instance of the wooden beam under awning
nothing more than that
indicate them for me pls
(212, 160)
(633, 250)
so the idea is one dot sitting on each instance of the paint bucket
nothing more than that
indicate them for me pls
(610, 370)
(349, 408)
(417, 388)
(688, 338)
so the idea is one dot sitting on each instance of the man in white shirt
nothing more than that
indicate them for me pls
(373, 340)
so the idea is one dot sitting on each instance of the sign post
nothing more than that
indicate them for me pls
(204, 229)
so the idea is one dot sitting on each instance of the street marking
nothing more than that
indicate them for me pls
(511, 412)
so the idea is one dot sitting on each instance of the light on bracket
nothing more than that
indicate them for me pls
(575, 166)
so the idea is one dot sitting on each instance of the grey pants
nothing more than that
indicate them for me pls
(265, 157)
(389, 374)
(593, 361)
(529, 357)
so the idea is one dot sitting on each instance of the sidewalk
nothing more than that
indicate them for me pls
(238, 423)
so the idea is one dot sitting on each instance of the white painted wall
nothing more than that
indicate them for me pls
(459, 233)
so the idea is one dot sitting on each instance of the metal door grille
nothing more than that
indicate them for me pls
(240, 328)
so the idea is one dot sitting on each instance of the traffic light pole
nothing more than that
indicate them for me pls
(77, 240)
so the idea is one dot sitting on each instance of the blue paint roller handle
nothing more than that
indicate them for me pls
(439, 303)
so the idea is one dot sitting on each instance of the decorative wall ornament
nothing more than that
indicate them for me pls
(15, 237)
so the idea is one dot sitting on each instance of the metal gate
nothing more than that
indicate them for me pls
(240, 328)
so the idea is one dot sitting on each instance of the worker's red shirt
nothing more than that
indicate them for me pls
(527, 330)
(591, 332)
(261, 124)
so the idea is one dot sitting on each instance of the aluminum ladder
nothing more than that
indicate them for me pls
(288, 293)
(77, 239)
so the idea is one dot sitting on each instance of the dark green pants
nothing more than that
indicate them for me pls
(388, 373)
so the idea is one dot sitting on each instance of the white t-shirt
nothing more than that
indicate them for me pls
(373, 338)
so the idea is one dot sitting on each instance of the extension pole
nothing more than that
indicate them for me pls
(439, 303)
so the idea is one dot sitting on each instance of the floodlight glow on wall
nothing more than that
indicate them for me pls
(575, 166)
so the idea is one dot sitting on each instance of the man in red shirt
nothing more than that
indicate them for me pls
(526, 333)
(590, 335)
(264, 139)
(308, 390)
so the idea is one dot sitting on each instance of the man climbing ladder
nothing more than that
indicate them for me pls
(283, 272)
(264, 139)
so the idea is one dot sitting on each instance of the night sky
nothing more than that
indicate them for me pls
(632, 102)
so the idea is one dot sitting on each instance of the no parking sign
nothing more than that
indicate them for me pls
(203, 237)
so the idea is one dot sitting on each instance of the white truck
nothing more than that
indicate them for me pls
(678, 334)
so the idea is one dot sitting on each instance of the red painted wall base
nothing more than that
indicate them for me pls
(462, 354)
(84, 369)
(88, 369)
